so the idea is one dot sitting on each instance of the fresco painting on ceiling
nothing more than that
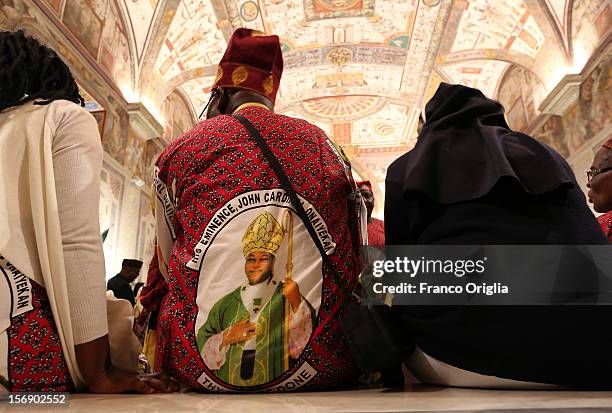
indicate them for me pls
(385, 128)
(591, 20)
(558, 8)
(596, 97)
(479, 74)
(552, 133)
(111, 191)
(177, 116)
(194, 40)
(289, 19)
(498, 25)
(342, 55)
(417, 65)
(585, 119)
(339, 80)
(140, 15)
(520, 93)
(84, 23)
(400, 41)
(55, 5)
(114, 142)
(325, 9)
(515, 115)
(249, 11)
(198, 92)
(343, 108)
(134, 154)
(100, 117)
(96, 110)
(114, 54)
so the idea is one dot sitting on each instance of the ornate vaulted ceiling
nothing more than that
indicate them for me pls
(360, 69)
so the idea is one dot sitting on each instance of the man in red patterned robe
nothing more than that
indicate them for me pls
(213, 186)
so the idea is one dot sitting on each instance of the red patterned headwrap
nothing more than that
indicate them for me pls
(608, 144)
(252, 61)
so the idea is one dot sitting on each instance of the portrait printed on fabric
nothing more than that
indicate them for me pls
(259, 288)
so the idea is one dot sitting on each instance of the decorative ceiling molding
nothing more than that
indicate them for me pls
(143, 123)
(563, 96)
(505, 55)
(442, 22)
(188, 104)
(125, 20)
(183, 77)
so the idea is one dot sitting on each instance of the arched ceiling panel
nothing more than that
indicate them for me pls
(559, 12)
(479, 74)
(193, 40)
(498, 25)
(140, 14)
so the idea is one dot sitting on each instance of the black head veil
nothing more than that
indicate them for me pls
(466, 146)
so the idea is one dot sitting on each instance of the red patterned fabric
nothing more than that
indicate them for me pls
(605, 221)
(376, 233)
(36, 359)
(155, 288)
(217, 161)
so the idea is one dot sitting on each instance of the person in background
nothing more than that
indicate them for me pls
(53, 324)
(376, 227)
(470, 180)
(600, 187)
(120, 283)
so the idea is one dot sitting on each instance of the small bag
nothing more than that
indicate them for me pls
(370, 331)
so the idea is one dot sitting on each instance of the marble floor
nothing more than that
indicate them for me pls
(417, 399)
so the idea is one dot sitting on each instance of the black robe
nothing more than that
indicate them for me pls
(121, 288)
(471, 180)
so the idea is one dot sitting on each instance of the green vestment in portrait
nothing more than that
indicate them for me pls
(269, 351)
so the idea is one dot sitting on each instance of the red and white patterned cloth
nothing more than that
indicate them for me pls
(210, 184)
(605, 221)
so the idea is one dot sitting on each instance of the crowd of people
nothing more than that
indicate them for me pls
(260, 228)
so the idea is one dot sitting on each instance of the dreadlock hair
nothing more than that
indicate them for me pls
(30, 70)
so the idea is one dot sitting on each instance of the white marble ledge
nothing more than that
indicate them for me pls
(420, 399)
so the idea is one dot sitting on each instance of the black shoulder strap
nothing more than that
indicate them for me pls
(299, 209)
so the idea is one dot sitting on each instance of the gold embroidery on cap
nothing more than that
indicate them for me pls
(219, 74)
(239, 75)
(257, 33)
(268, 84)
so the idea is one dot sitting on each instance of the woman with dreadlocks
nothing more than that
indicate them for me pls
(53, 326)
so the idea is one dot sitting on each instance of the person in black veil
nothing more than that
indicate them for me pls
(472, 180)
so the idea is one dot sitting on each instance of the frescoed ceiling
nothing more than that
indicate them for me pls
(360, 69)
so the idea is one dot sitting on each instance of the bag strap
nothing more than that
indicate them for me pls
(299, 208)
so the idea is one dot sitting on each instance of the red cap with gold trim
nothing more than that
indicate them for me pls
(252, 61)
(608, 144)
